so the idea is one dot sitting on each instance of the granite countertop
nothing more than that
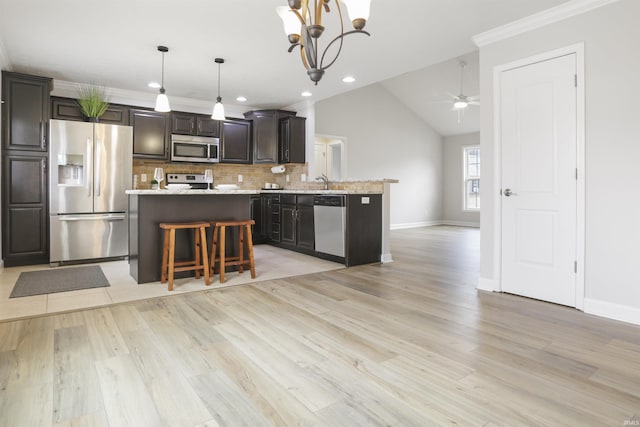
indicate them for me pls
(299, 191)
(173, 192)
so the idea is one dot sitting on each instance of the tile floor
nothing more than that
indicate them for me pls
(271, 263)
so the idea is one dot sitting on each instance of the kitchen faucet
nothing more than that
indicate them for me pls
(324, 179)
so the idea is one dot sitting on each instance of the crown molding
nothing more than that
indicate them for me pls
(147, 99)
(540, 19)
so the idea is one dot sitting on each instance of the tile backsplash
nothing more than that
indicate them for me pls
(253, 176)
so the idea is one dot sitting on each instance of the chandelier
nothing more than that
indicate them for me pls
(303, 26)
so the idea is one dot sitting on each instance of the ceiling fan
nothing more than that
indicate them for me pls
(461, 101)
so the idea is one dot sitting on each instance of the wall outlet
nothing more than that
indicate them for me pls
(239, 178)
(365, 200)
(303, 177)
(287, 178)
(143, 177)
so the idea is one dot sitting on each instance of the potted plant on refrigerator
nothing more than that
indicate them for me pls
(92, 100)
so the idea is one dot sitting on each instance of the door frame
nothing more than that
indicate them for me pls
(578, 50)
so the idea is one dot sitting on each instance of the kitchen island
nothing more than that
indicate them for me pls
(149, 208)
(285, 218)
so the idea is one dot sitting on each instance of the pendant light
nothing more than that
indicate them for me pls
(303, 26)
(162, 102)
(218, 108)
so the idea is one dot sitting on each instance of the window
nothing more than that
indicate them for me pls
(471, 178)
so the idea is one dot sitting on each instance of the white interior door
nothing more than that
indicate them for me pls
(539, 186)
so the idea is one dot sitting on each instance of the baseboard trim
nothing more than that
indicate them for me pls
(485, 284)
(414, 224)
(461, 223)
(610, 310)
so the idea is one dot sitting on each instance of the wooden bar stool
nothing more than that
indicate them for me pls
(201, 261)
(218, 241)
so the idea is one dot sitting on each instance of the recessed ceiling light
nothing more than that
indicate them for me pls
(306, 93)
(349, 79)
(154, 85)
(241, 99)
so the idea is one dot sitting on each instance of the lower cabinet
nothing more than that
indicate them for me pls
(258, 215)
(297, 228)
(25, 226)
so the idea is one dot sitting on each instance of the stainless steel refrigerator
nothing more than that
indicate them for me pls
(90, 170)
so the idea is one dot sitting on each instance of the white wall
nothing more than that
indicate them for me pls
(384, 139)
(612, 69)
(453, 166)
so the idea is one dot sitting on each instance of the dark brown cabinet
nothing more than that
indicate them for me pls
(271, 217)
(150, 134)
(68, 109)
(25, 234)
(194, 124)
(206, 126)
(235, 141)
(25, 120)
(25, 111)
(257, 215)
(183, 124)
(266, 133)
(292, 140)
(297, 227)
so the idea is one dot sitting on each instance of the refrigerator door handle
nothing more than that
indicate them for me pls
(99, 165)
(88, 161)
(108, 217)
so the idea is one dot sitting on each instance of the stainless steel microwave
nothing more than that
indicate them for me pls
(186, 148)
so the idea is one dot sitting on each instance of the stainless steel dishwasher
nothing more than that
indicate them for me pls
(329, 217)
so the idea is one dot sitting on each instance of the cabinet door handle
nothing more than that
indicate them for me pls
(43, 130)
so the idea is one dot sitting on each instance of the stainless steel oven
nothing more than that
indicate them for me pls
(199, 149)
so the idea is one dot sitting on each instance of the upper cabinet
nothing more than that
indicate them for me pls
(150, 134)
(292, 140)
(194, 124)
(25, 112)
(235, 141)
(266, 130)
(68, 109)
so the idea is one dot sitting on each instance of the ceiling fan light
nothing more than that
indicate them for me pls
(218, 111)
(460, 104)
(291, 23)
(358, 11)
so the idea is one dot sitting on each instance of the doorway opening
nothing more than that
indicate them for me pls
(330, 157)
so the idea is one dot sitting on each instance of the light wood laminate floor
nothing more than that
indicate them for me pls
(410, 343)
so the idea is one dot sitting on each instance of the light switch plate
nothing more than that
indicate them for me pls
(143, 177)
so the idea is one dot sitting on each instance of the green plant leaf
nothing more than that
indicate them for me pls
(92, 100)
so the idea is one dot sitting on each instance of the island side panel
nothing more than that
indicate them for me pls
(155, 209)
(364, 229)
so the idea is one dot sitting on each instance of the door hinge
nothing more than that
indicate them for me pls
(575, 80)
(576, 174)
(575, 266)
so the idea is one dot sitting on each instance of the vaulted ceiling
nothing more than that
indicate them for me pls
(413, 49)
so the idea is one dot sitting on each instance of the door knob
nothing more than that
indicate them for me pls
(509, 193)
